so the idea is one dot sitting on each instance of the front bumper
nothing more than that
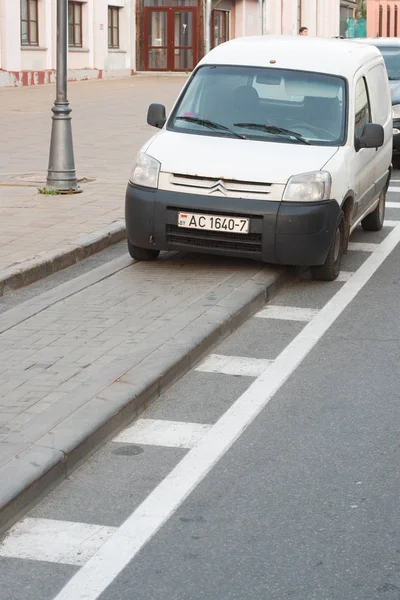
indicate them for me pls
(280, 233)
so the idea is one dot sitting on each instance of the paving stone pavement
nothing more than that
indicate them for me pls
(62, 347)
(78, 361)
(109, 126)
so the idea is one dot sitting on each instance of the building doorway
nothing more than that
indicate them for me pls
(219, 27)
(170, 38)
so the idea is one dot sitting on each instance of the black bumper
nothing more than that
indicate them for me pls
(280, 233)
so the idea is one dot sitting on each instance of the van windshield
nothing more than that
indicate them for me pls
(391, 56)
(274, 105)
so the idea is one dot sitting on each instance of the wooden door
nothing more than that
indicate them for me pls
(170, 38)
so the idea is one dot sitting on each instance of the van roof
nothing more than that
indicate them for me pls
(378, 41)
(321, 55)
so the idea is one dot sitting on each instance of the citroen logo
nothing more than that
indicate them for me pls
(218, 187)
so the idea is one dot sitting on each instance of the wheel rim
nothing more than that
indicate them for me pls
(338, 238)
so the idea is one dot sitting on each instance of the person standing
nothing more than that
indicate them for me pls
(303, 31)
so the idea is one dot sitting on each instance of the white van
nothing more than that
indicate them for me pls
(276, 149)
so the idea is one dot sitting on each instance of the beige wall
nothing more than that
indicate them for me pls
(247, 18)
(281, 17)
(320, 16)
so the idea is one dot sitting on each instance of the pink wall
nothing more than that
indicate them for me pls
(373, 11)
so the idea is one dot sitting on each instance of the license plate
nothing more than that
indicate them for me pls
(213, 222)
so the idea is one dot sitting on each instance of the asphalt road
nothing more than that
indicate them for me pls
(270, 471)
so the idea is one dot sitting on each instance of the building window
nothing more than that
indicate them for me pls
(75, 24)
(113, 27)
(388, 22)
(380, 21)
(29, 23)
(395, 20)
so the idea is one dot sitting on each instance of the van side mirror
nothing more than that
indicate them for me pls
(372, 136)
(156, 116)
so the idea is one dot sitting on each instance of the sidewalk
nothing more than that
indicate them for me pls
(40, 234)
(81, 360)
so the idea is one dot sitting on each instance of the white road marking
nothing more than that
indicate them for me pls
(140, 527)
(363, 246)
(393, 188)
(287, 313)
(392, 204)
(344, 276)
(390, 223)
(154, 432)
(54, 541)
(233, 365)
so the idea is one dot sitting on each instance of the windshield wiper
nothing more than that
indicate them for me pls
(273, 129)
(394, 78)
(211, 125)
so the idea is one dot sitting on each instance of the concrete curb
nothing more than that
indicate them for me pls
(45, 460)
(50, 262)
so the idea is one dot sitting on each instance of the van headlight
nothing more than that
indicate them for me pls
(396, 111)
(308, 187)
(145, 171)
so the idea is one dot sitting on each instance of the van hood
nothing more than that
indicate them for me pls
(232, 158)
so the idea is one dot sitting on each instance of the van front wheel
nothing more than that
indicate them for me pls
(142, 253)
(331, 267)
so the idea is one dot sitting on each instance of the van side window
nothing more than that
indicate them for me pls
(363, 110)
(378, 86)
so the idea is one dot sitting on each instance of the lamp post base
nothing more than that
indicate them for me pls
(61, 175)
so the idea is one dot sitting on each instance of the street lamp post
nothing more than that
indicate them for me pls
(61, 173)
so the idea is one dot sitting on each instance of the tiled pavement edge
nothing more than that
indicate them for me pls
(47, 449)
(52, 261)
(40, 234)
(49, 233)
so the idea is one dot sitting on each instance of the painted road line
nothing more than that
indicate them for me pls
(54, 541)
(392, 204)
(344, 276)
(362, 246)
(393, 188)
(287, 313)
(233, 365)
(390, 223)
(141, 526)
(154, 432)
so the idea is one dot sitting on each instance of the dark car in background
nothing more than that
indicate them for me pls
(390, 49)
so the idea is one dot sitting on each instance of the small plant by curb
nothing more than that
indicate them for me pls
(49, 191)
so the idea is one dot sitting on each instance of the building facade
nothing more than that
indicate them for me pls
(113, 38)
(383, 18)
(101, 38)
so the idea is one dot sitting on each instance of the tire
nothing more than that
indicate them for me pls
(374, 221)
(331, 267)
(142, 253)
